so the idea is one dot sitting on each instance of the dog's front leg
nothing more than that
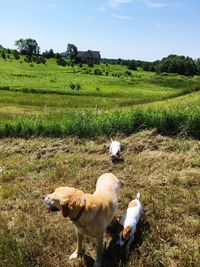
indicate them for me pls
(129, 243)
(98, 260)
(78, 250)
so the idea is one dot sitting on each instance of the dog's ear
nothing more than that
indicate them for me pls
(126, 231)
(67, 205)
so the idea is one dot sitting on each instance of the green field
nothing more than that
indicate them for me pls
(38, 104)
(37, 99)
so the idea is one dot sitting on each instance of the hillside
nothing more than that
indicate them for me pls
(65, 117)
(51, 100)
(165, 170)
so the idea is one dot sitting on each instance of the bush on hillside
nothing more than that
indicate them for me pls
(75, 86)
(3, 54)
(16, 54)
(132, 65)
(97, 72)
(128, 73)
(48, 54)
(61, 61)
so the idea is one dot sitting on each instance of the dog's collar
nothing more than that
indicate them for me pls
(78, 216)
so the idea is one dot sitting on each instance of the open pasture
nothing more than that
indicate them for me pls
(40, 99)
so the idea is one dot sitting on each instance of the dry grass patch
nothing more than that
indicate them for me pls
(165, 170)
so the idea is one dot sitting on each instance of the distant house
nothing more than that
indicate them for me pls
(89, 57)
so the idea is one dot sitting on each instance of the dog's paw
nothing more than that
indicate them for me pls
(74, 256)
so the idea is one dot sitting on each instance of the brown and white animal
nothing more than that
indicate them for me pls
(129, 222)
(115, 150)
(90, 213)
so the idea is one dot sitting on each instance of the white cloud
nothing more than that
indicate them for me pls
(121, 17)
(115, 3)
(154, 4)
(149, 3)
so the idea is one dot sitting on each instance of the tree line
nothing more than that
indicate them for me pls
(30, 49)
(171, 64)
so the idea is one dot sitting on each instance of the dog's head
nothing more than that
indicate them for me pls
(65, 199)
(124, 235)
(126, 232)
(116, 155)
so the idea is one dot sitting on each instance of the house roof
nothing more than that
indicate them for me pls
(94, 54)
(88, 53)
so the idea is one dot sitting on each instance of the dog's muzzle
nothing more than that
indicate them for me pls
(51, 205)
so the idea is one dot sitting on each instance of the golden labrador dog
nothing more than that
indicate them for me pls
(90, 213)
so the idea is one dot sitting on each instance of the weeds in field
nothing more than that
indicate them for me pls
(87, 124)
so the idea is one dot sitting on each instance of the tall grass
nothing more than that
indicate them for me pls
(87, 124)
(39, 102)
(177, 81)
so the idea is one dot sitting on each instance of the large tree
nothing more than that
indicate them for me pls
(72, 51)
(28, 47)
(178, 64)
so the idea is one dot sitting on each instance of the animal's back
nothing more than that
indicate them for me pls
(108, 183)
(107, 189)
(133, 213)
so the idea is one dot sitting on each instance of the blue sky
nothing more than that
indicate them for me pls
(129, 29)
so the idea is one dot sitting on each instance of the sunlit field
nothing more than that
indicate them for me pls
(165, 170)
(55, 128)
(38, 99)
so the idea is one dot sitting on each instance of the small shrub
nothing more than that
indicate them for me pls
(97, 72)
(28, 59)
(132, 65)
(78, 86)
(61, 62)
(74, 86)
(128, 73)
(90, 65)
(39, 60)
(3, 55)
(16, 55)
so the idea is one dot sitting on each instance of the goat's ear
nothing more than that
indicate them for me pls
(65, 207)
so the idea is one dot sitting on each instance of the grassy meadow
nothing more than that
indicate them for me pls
(46, 110)
(38, 99)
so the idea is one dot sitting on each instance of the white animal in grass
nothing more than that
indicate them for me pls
(129, 222)
(115, 150)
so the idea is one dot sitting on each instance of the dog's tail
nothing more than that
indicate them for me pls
(138, 195)
(111, 139)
